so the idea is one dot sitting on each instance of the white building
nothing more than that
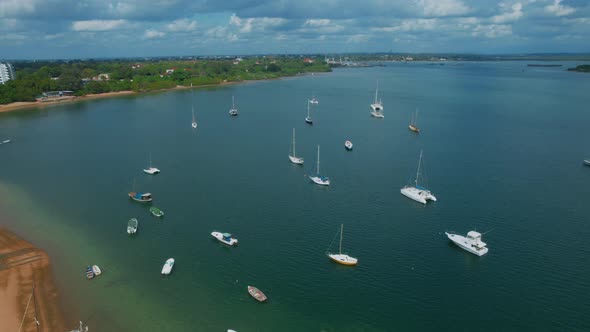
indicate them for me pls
(6, 72)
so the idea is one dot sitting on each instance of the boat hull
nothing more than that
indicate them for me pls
(343, 259)
(377, 114)
(308, 120)
(296, 160)
(414, 128)
(233, 112)
(142, 199)
(419, 195)
(377, 107)
(462, 243)
(348, 145)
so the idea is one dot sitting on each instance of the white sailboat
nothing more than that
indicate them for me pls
(341, 258)
(377, 105)
(308, 117)
(317, 178)
(314, 100)
(194, 123)
(417, 192)
(412, 126)
(472, 242)
(151, 170)
(292, 156)
(233, 111)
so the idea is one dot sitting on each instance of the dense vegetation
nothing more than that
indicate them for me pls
(84, 77)
(581, 68)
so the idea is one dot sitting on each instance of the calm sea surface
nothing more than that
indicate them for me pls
(503, 148)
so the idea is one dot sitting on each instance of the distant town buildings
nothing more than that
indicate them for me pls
(6, 72)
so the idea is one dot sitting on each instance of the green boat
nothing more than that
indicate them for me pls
(156, 212)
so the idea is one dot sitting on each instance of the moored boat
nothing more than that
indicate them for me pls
(341, 258)
(96, 270)
(233, 111)
(412, 126)
(151, 170)
(140, 197)
(292, 156)
(132, 226)
(317, 178)
(156, 212)
(167, 268)
(348, 145)
(308, 118)
(89, 273)
(472, 242)
(587, 162)
(256, 293)
(377, 105)
(225, 238)
(417, 192)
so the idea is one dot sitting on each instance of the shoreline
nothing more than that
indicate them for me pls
(23, 105)
(28, 290)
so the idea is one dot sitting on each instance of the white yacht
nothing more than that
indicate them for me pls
(167, 268)
(233, 111)
(292, 156)
(225, 238)
(151, 170)
(317, 178)
(472, 242)
(417, 192)
(377, 105)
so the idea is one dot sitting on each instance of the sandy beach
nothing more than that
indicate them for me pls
(22, 267)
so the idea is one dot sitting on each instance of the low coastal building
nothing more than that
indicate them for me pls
(6, 72)
(54, 95)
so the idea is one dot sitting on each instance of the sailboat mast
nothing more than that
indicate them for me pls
(150, 160)
(318, 171)
(418, 171)
(308, 108)
(416, 117)
(341, 230)
(376, 91)
(233, 104)
(294, 142)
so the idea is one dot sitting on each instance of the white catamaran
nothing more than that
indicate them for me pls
(151, 170)
(341, 258)
(292, 156)
(417, 192)
(317, 178)
(377, 105)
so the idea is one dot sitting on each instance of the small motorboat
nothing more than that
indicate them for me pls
(96, 270)
(132, 225)
(587, 162)
(348, 145)
(225, 238)
(140, 197)
(89, 273)
(152, 170)
(472, 242)
(167, 268)
(257, 293)
(156, 212)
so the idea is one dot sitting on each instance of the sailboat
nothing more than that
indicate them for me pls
(139, 196)
(308, 117)
(151, 170)
(413, 127)
(233, 111)
(292, 156)
(341, 258)
(194, 123)
(377, 105)
(317, 178)
(417, 192)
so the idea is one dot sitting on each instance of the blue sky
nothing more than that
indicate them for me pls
(41, 29)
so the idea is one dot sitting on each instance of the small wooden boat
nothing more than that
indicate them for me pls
(156, 212)
(89, 273)
(257, 293)
(96, 270)
(132, 225)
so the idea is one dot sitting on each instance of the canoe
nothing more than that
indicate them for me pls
(256, 293)
(156, 212)
(96, 270)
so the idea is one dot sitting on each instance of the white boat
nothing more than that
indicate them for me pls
(348, 145)
(5, 141)
(587, 162)
(412, 126)
(233, 111)
(472, 242)
(82, 328)
(417, 192)
(377, 105)
(167, 268)
(151, 170)
(317, 178)
(194, 123)
(132, 226)
(314, 101)
(96, 270)
(341, 258)
(292, 156)
(308, 117)
(225, 238)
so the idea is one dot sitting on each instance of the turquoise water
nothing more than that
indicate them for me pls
(503, 145)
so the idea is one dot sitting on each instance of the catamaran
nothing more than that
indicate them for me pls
(194, 123)
(167, 268)
(151, 170)
(317, 178)
(377, 105)
(417, 192)
(256, 293)
(308, 117)
(132, 226)
(413, 127)
(341, 258)
(292, 156)
(233, 111)
(472, 242)
(225, 238)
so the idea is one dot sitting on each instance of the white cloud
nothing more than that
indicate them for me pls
(182, 25)
(509, 16)
(420, 24)
(442, 7)
(97, 25)
(322, 26)
(358, 38)
(255, 24)
(317, 22)
(222, 33)
(16, 7)
(492, 30)
(558, 9)
(153, 34)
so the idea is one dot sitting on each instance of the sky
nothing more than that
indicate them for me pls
(50, 29)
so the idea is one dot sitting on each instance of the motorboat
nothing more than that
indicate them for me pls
(167, 268)
(348, 145)
(256, 293)
(587, 162)
(96, 270)
(472, 242)
(314, 101)
(132, 226)
(292, 156)
(225, 238)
